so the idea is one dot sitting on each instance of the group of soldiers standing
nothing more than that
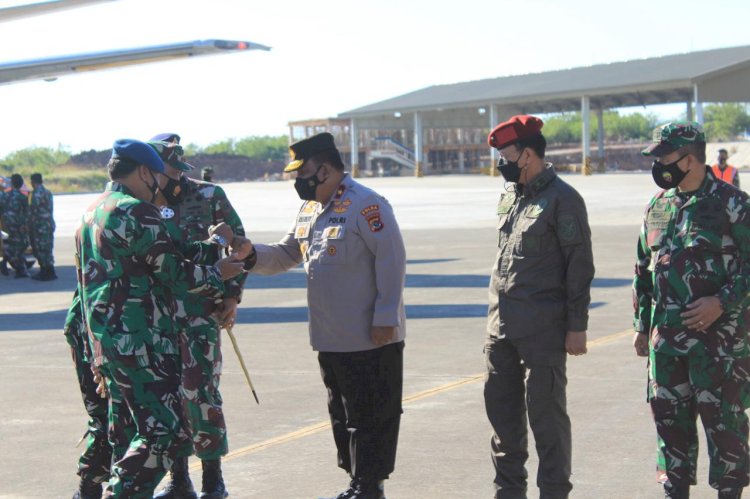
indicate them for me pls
(27, 219)
(161, 262)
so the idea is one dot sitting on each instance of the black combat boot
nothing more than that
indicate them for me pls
(21, 273)
(45, 274)
(213, 483)
(4, 267)
(361, 489)
(179, 485)
(730, 494)
(681, 491)
(88, 489)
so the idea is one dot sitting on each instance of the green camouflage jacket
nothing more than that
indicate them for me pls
(203, 204)
(692, 248)
(129, 272)
(40, 211)
(15, 210)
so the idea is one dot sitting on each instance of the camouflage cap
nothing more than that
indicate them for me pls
(670, 137)
(171, 154)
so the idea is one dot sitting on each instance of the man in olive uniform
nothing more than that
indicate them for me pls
(96, 459)
(189, 207)
(539, 296)
(691, 297)
(129, 272)
(354, 256)
(42, 229)
(15, 215)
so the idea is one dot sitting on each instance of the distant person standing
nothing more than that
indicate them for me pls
(208, 174)
(15, 215)
(42, 229)
(691, 291)
(539, 296)
(724, 171)
(354, 256)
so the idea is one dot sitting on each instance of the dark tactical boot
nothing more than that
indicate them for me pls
(45, 274)
(21, 273)
(360, 489)
(730, 494)
(676, 492)
(213, 483)
(88, 490)
(179, 485)
(4, 267)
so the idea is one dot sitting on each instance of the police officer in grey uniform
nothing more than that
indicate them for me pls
(539, 298)
(351, 245)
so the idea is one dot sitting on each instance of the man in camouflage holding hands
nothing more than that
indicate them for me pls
(691, 290)
(15, 212)
(129, 273)
(42, 229)
(189, 207)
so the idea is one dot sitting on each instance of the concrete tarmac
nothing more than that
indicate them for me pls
(282, 448)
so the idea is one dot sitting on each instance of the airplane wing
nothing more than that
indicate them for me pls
(50, 68)
(39, 8)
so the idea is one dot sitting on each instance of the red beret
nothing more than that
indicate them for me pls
(518, 127)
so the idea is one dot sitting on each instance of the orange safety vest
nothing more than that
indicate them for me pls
(727, 175)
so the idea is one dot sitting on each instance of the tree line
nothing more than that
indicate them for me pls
(722, 122)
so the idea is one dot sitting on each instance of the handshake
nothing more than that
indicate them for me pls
(239, 248)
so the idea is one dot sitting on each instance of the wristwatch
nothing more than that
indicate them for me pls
(220, 240)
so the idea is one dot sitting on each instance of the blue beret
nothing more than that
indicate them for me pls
(138, 152)
(165, 137)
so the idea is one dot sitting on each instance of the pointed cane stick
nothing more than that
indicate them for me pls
(242, 362)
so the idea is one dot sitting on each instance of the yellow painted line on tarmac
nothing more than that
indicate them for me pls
(323, 425)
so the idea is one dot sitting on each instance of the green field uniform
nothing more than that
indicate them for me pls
(695, 245)
(129, 273)
(203, 204)
(42, 226)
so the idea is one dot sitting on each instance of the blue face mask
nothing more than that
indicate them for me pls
(668, 176)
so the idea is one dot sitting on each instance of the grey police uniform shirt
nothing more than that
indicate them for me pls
(355, 263)
(541, 282)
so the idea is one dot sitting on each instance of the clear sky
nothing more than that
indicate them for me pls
(328, 56)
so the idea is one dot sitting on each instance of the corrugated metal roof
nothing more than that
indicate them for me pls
(668, 72)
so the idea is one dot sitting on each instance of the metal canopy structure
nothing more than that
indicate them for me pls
(720, 75)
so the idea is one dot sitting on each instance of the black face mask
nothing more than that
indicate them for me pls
(306, 187)
(668, 176)
(510, 170)
(153, 188)
(173, 191)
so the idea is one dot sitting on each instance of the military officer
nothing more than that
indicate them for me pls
(15, 213)
(128, 274)
(42, 229)
(354, 256)
(691, 295)
(539, 296)
(96, 459)
(189, 207)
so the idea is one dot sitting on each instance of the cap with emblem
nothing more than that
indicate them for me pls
(670, 137)
(137, 152)
(304, 149)
(171, 154)
(522, 126)
(165, 137)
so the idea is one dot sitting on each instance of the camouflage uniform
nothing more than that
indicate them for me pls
(203, 204)
(691, 246)
(15, 217)
(96, 460)
(42, 226)
(128, 274)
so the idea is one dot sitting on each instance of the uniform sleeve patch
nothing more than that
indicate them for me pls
(370, 209)
(567, 228)
(374, 222)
